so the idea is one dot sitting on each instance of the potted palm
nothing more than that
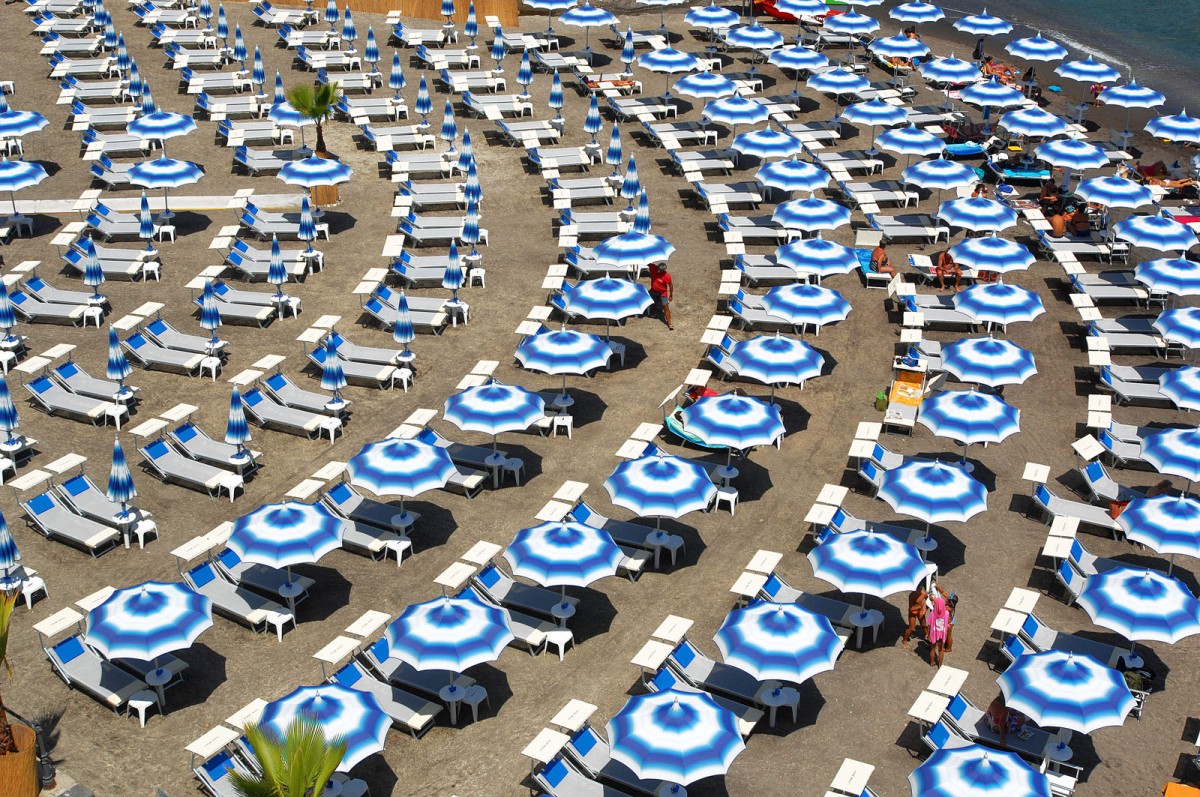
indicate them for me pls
(298, 764)
(18, 742)
(317, 101)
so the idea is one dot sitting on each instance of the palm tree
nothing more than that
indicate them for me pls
(316, 102)
(298, 764)
(8, 601)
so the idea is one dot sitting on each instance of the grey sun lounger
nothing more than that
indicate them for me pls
(757, 318)
(757, 269)
(496, 106)
(293, 38)
(55, 399)
(83, 669)
(566, 193)
(694, 162)
(1039, 637)
(54, 521)
(853, 160)
(113, 175)
(752, 229)
(250, 314)
(44, 291)
(719, 197)
(404, 165)
(362, 354)
(356, 109)
(839, 613)
(181, 57)
(229, 600)
(110, 224)
(151, 356)
(560, 779)
(194, 443)
(426, 195)
(254, 262)
(369, 374)
(530, 133)
(552, 160)
(268, 413)
(702, 672)
(343, 499)
(54, 43)
(256, 161)
(1053, 506)
(262, 579)
(260, 299)
(512, 594)
(460, 453)
(591, 753)
(168, 337)
(422, 321)
(1132, 392)
(910, 226)
(406, 710)
(219, 108)
(623, 532)
(72, 376)
(247, 131)
(85, 118)
(383, 139)
(82, 495)
(288, 392)
(367, 539)
(129, 267)
(399, 673)
(36, 311)
(173, 468)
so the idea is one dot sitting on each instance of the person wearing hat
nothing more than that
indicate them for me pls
(662, 290)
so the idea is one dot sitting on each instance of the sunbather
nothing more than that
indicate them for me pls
(947, 267)
(879, 260)
(1155, 174)
(1078, 219)
(1005, 74)
(1004, 720)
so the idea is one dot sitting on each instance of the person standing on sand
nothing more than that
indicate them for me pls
(662, 290)
(916, 613)
(978, 54)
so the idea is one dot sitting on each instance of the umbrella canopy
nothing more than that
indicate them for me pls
(992, 253)
(658, 485)
(1066, 690)
(1179, 129)
(400, 467)
(563, 554)
(494, 408)
(988, 361)
(734, 110)
(1114, 192)
(1167, 524)
(766, 143)
(711, 16)
(678, 737)
(837, 81)
(899, 46)
(93, 273)
(969, 416)
(120, 481)
(18, 174)
(587, 16)
(983, 25)
(285, 114)
(563, 352)
(1177, 276)
(608, 298)
(670, 61)
(1070, 153)
(1033, 122)
(799, 8)
(779, 641)
(732, 421)
(804, 304)
(14, 124)
(163, 172)
(631, 249)
(776, 360)
(939, 174)
(992, 94)
(1180, 326)
(449, 633)
(917, 12)
(875, 113)
(1174, 452)
(1036, 48)
(811, 215)
(1087, 70)
(1155, 232)
(312, 171)
(1141, 605)
(286, 534)
(910, 140)
(1131, 95)
(817, 256)
(792, 175)
(976, 771)
(998, 303)
(868, 563)
(341, 712)
(1182, 386)
(148, 620)
(950, 70)
(933, 491)
(754, 37)
(851, 22)
(977, 214)
(798, 58)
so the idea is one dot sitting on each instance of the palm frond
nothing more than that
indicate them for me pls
(297, 764)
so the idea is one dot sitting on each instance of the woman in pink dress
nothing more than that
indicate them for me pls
(939, 625)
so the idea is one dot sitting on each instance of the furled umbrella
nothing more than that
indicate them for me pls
(628, 53)
(498, 50)
(258, 72)
(631, 186)
(93, 275)
(276, 272)
(641, 219)
(452, 276)
(8, 314)
(592, 123)
(222, 24)
(306, 229)
(9, 419)
(237, 431)
(449, 132)
(613, 156)
(239, 46)
(210, 313)
(402, 331)
(344, 715)
(349, 30)
(146, 223)
(525, 75)
(9, 557)
(448, 12)
(371, 49)
(117, 367)
(396, 81)
(556, 96)
(424, 105)
(471, 26)
(120, 483)
(333, 378)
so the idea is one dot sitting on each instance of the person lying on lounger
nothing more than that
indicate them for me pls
(1154, 174)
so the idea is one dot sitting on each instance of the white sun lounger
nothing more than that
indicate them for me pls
(47, 515)
(270, 414)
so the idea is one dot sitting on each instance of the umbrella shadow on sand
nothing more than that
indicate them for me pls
(595, 616)
(206, 673)
(331, 593)
(434, 527)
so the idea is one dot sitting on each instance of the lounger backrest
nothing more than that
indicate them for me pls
(937, 736)
(69, 649)
(1031, 626)
(1106, 440)
(1042, 495)
(41, 504)
(1077, 553)
(158, 326)
(157, 450)
(317, 354)
(381, 650)
(772, 586)
(957, 708)
(664, 679)
(1014, 648)
(253, 398)
(554, 773)
(66, 370)
(584, 741)
(869, 471)
(838, 520)
(684, 654)
(200, 575)
(490, 576)
(340, 493)
(217, 767)
(229, 558)
(878, 453)
(1070, 577)
(186, 432)
(277, 382)
(77, 485)
(1094, 472)
(136, 341)
(349, 675)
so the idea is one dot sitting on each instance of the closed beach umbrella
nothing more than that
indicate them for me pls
(9, 555)
(449, 133)
(1036, 48)
(525, 74)
(9, 419)
(659, 485)
(494, 408)
(258, 73)
(333, 378)
(222, 24)
(349, 31)
(950, 70)
(613, 156)
(867, 563)
(563, 554)
(899, 47)
(1087, 70)
(449, 633)
(1182, 386)
(705, 85)
(917, 12)
(331, 13)
(587, 16)
(404, 468)
(146, 223)
(210, 313)
(1181, 325)
(766, 143)
(998, 303)
(448, 11)
(628, 52)
(631, 186)
(776, 360)
(123, 60)
(988, 361)
(8, 314)
(592, 123)
(1155, 232)
(498, 50)
(780, 641)
(1177, 276)
(811, 215)
(678, 737)
(1114, 192)
(239, 46)
(818, 257)
(1174, 452)
(933, 491)
(120, 481)
(423, 105)
(472, 190)
(1141, 605)
(93, 274)
(1179, 129)
(976, 771)
(371, 50)
(992, 253)
(1167, 524)
(276, 273)
(851, 22)
(117, 367)
(1066, 690)
(402, 331)
(307, 228)
(452, 277)
(792, 175)
(471, 26)
(753, 37)
(632, 250)
(396, 80)
(977, 214)
(352, 717)
(802, 304)
(556, 96)
(1033, 122)
(983, 24)
(146, 101)
(563, 352)
(237, 431)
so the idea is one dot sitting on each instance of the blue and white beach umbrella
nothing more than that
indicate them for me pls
(117, 367)
(333, 378)
(776, 360)
(969, 416)
(448, 10)
(449, 633)
(210, 312)
(669, 61)
(452, 276)
(354, 717)
(471, 25)
(472, 190)
(817, 256)
(631, 185)
(164, 173)
(811, 215)
(1033, 122)
(563, 554)
(950, 70)
(753, 37)
(284, 113)
(1155, 232)
(525, 74)
(705, 86)
(988, 361)
(910, 140)
(998, 303)
(992, 253)
(1131, 95)
(396, 81)
(939, 174)
(146, 223)
(628, 52)
(258, 73)
(659, 485)
(734, 111)
(494, 408)
(798, 58)
(120, 481)
(205, 10)
(587, 16)
(307, 229)
(8, 314)
(607, 299)
(803, 304)
(661, 5)
(899, 46)
(1087, 70)
(563, 352)
(1066, 690)
(592, 123)
(933, 491)
(93, 274)
(312, 171)
(550, 6)
(1036, 48)
(9, 419)
(1174, 452)
(423, 105)
(145, 103)
(556, 96)
(1177, 276)
(286, 534)
(1070, 153)
(449, 132)
(917, 11)
(19, 174)
(404, 468)
(837, 81)
(9, 555)
(614, 156)
(237, 431)
(779, 641)
(733, 422)
(798, 8)
(678, 737)
(222, 24)
(766, 143)
(983, 25)
(349, 30)
(276, 272)
(148, 620)
(14, 124)
(992, 94)
(792, 175)
(976, 771)
(875, 113)
(498, 49)
(868, 563)
(1167, 524)
(1181, 325)
(371, 50)
(1141, 605)
(1180, 128)
(1182, 385)
(851, 22)
(239, 46)
(402, 331)
(331, 13)
(711, 16)
(110, 35)
(632, 250)
(977, 214)
(470, 228)
(123, 59)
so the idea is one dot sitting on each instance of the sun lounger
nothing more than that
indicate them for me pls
(1101, 487)
(839, 613)
(173, 468)
(910, 226)
(43, 291)
(675, 135)
(687, 662)
(405, 165)
(110, 224)
(65, 26)
(268, 413)
(383, 139)
(193, 442)
(460, 82)
(288, 393)
(150, 14)
(106, 90)
(560, 779)
(591, 753)
(548, 61)
(260, 315)
(55, 43)
(257, 161)
(1102, 292)
(275, 17)
(252, 131)
(760, 269)
(877, 192)
(1118, 341)
(368, 539)
(210, 82)
(90, 502)
(1052, 506)
(292, 37)
(623, 532)
(218, 108)
(356, 373)
(399, 673)
(849, 161)
(85, 117)
(446, 59)
(422, 321)
(168, 337)
(496, 106)
(262, 579)
(203, 58)
(84, 669)
(842, 522)
(972, 724)
(530, 134)
(63, 66)
(936, 313)
(820, 132)
(693, 164)
(599, 224)
(54, 399)
(35, 311)
(149, 355)
(460, 453)
(1131, 392)
(353, 352)
(360, 110)
(313, 60)
(1039, 637)
(1122, 453)
(553, 160)
(583, 262)
(511, 594)
(165, 35)
(112, 175)
(719, 197)
(129, 267)
(406, 710)
(413, 37)
(237, 604)
(643, 109)
(49, 517)
(420, 196)
(347, 502)
(752, 229)
(566, 193)
(517, 41)
(99, 145)
(78, 381)
(255, 270)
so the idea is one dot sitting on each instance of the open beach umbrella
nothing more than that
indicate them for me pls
(939, 174)
(837, 81)
(285, 534)
(423, 105)
(494, 408)
(631, 185)
(1129, 96)
(998, 303)
(851, 22)
(983, 24)
(449, 633)
(659, 485)
(18, 174)
(1036, 48)
(1114, 192)
(910, 140)
(899, 46)
(9, 419)
(753, 37)
(371, 50)
(992, 94)
(969, 416)
(779, 641)
(556, 100)
(449, 132)
(525, 75)
(802, 305)
(120, 481)
(776, 360)
(1141, 605)
(933, 491)
(798, 59)
(343, 714)
(333, 378)
(799, 8)
(93, 274)
(671, 62)
(404, 468)
(587, 16)
(164, 173)
(875, 113)
(1177, 276)
(662, 8)
(1071, 154)
(1167, 524)
(210, 313)
(674, 736)
(1155, 232)
(117, 367)
(14, 124)
(817, 257)
(608, 299)
(1033, 122)
(1182, 386)
(563, 352)
(705, 86)
(312, 172)
(917, 12)
(632, 250)
(977, 214)
(766, 143)
(976, 771)
(1179, 128)
(950, 70)
(592, 123)
(550, 6)
(731, 422)
(868, 563)
(1180, 325)
(613, 156)
(1087, 70)
(396, 80)
(711, 16)
(792, 175)
(1174, 452)
(811, 215)
(237, 431)
(988, 361)
(1066, 690)
(992, 253)
(563, 554)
